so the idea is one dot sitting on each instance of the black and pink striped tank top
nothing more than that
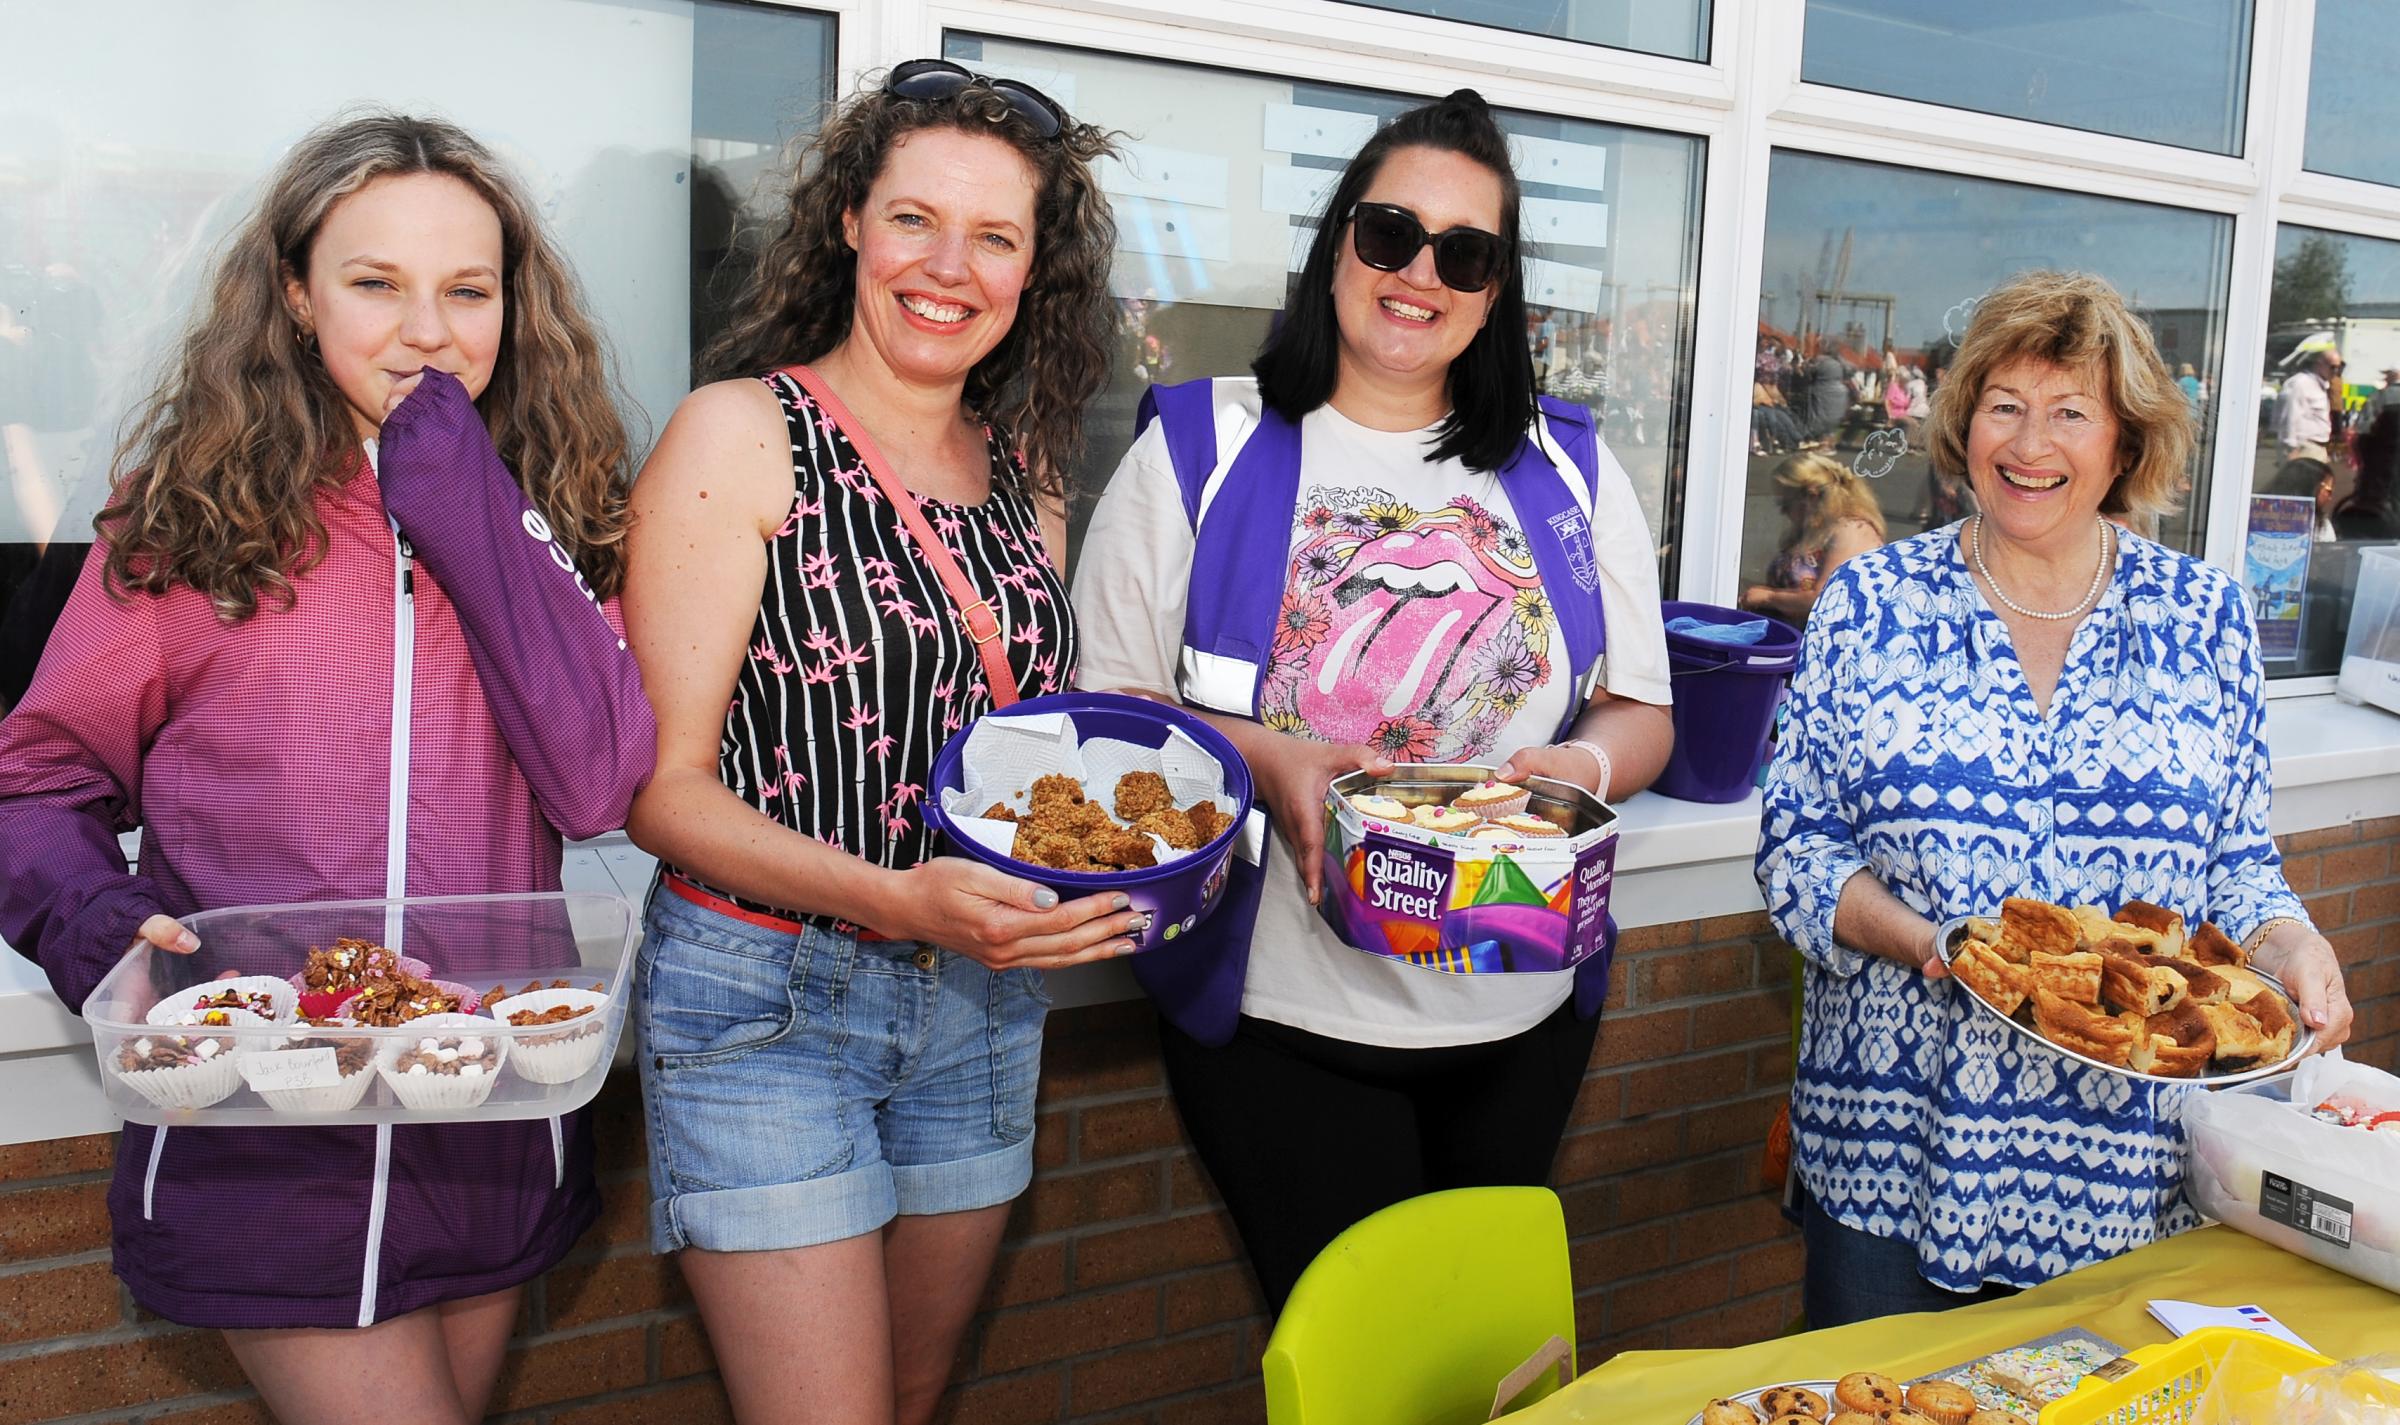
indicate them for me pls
(858, 669)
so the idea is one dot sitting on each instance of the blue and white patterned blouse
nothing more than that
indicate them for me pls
(1914, 751)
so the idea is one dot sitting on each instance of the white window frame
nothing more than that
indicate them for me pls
(1744, 102)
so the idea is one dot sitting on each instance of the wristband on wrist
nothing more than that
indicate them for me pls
(1599, 755)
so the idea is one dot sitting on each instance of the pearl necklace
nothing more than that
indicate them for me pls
(2090, 596)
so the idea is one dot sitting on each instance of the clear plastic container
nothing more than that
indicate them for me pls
(270, 1072)
(2259, 1163)
(2370, 670)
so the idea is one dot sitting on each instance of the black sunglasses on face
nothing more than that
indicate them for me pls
(1388, 238)
(942, 78)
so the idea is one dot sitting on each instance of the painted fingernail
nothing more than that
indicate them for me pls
(1139, 924)
(1045, 899)
(1122, 947)
(1122, 903)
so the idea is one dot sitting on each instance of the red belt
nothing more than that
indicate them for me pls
(760, 918)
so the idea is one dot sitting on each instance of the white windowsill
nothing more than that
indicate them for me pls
(2334, 764)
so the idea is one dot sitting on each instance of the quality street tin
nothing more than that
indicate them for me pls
(1466, 903)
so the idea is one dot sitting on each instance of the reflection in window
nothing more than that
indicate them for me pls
(1871, 276)
(1218, 194)
(1677, 29)
(761, 75)
(2169, 71)
(2352, 106)
(2328, 450)
(122, 188)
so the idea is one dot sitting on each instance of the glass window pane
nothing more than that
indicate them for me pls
(2328, 440)
(2170, 71)
(1871, 275)
(2352, 104)
(1216, 201)
(121, 189)
(1677, 29)
(761, 75)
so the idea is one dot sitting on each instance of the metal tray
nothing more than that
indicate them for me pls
(2304, 1038)
(1750, 1397)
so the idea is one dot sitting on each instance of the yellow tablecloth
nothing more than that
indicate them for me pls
(2215, 1266)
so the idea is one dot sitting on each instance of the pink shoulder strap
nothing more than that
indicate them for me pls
(975, 612)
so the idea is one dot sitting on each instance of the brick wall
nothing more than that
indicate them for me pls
(1120, 1296)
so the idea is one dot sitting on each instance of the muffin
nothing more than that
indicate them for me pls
(1380, 807)
(1997, 1417)
(1792, 1400)
(1868, 1392)
(1855, 1417)
(1448, 821)
(1943, 1402)
(1727, 1412)
(1492, 800)
(1795, 1417)
(1906, 1416)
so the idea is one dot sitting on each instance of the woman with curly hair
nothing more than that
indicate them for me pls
(342, 638)
(1416, 560)
(937, 295)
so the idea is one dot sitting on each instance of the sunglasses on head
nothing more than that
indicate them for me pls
(1388, 238)
(942, 78)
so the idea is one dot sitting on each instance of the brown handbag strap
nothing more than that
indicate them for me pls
(975, 612)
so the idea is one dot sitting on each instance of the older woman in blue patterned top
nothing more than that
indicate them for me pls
(2030, 702)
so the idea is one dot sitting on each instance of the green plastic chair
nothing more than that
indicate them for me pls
(1414, 1316)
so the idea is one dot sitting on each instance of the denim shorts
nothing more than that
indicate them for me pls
(806, 1087)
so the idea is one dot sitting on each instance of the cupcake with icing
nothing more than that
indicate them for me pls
(1492, 800)
(1376, 805)
(1448, 821)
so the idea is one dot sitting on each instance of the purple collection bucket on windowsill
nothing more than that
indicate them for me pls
(1725, 697)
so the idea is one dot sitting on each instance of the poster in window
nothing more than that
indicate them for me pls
(2282, 529)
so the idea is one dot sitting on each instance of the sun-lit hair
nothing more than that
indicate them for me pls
(1826, 492)
(1056, 356)
(2078, 322)
(215, 482)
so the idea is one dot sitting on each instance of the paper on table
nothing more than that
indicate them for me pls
(2185, 1317)
(1005, 754)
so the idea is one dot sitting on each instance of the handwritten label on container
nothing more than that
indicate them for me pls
(291, 1069)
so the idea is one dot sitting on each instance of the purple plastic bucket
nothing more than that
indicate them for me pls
(1725, 697)
(1179, 894)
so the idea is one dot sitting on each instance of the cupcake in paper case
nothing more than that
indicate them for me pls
(1529, 826)
(1493, 800)
(242, 999)
(404, 997)
(1444, 821)
(350, 964)
(448, 1063)
(178, 1070)
(292, 1080)
(1381, 807)
(555, 1056)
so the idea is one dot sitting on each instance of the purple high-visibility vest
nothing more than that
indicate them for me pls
(1237, 466)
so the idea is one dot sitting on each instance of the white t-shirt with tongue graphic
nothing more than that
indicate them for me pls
(1413, 620)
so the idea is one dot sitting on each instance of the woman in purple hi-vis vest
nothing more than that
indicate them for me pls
(328, 648)
(1403, 556)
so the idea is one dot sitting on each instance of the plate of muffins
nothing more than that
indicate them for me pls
(1860, 1398)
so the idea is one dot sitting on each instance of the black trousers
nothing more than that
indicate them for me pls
(1305, 1135)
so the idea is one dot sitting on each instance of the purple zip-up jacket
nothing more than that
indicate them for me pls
(470, 703)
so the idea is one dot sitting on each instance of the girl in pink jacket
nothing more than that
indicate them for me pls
(330, 647)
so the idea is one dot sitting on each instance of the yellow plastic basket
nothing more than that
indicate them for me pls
(2163, 1383)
